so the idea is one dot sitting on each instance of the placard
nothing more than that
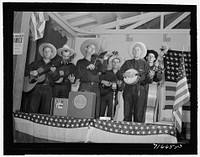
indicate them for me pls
(18, 40)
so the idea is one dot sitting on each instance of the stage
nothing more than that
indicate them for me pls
(38, 128)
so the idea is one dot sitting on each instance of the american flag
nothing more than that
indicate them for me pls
(171, 61)
(37, 24)
(182, 95)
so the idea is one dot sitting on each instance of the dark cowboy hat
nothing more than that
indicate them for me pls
(153, 52)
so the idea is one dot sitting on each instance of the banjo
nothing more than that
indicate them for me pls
(134, 76)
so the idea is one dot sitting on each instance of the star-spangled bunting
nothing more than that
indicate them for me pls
(118, 127)
(182, 95)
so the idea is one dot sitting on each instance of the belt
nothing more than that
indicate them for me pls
(91, 83)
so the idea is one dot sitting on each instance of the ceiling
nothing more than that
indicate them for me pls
(88, 23)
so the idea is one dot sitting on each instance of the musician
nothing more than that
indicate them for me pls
(64, 74)
(89, 69)
(151, 58)
(110, 85)
(40, 97)
(134, 94)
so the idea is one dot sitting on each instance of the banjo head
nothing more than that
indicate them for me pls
(132, 78)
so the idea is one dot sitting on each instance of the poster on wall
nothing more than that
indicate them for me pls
(18, 40)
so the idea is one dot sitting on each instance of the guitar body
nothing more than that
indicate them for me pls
(60, 80)
(31, 81)
(39, 78)
(152, 103)
(27, 85)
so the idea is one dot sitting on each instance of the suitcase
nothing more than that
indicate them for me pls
(60, 107)
(81, 104)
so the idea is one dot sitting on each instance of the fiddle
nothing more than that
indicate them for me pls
(99, 57)
(95, 57)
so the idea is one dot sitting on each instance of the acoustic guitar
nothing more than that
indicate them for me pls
(31, 81)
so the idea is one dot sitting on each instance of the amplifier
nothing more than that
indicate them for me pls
(60, 107)
(81, 104)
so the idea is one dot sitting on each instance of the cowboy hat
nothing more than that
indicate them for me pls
(100, 45)
(141, 46)
(153, 52)
(53, 49)
(121, 60)
(65, 48)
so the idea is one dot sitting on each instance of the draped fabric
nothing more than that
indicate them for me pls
(37, 24)
(45, 128)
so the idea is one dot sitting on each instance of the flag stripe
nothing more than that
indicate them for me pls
(181, 87)
(170, 88)
(181, 103)
(178, 97)
(169, 98)
(170, 107)
(182, 80)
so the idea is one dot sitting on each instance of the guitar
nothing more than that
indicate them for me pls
(31, 81)
(61, 78)
(152, 103)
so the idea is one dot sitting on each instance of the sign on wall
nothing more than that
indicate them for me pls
(18, 40)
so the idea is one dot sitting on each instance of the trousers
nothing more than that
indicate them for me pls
(61, 91)
(134, 103)
(107, 102)
(40, 100)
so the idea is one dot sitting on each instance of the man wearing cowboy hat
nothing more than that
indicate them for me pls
(40, 98)
(110, 85)
(134, 94)
(89, 68)
(65, 74)
(151, 58)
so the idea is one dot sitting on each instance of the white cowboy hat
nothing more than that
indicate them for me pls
(100, 46)
(53, 49)
(121, 59)
(65, 48)
(141, 46)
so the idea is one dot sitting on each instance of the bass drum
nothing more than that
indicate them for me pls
(132, 78)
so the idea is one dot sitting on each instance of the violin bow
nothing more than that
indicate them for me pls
(99, 50)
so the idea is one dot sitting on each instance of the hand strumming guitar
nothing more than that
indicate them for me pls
(71, 78)
(34, 73)
(91, 67)
(151, 74)
(106, 83)
(53, 69)
(61, 72)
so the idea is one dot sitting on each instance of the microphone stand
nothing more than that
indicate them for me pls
(114, 88)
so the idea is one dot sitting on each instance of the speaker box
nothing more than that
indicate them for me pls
(60, 107)
(81, 104)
